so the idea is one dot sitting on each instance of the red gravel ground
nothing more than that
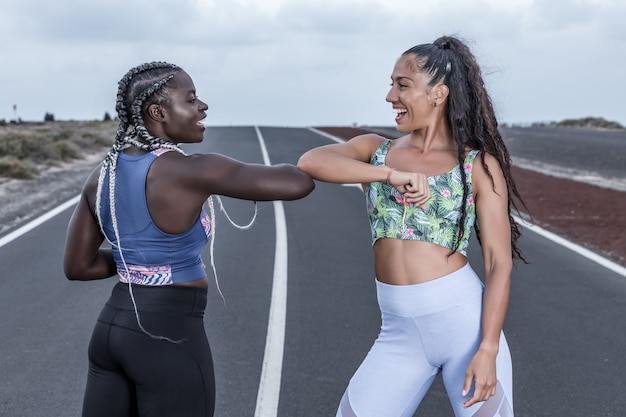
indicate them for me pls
(590, 216)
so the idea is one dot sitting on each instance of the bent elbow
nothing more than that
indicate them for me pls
(302, 188)
(306, 163)
(308, 187)
(76, 271)
(72, 276)
(72, 273)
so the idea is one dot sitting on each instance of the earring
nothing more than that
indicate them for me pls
(434, 104)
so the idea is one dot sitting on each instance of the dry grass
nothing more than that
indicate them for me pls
(26, 147)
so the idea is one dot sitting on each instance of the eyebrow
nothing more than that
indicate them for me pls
(400, 78)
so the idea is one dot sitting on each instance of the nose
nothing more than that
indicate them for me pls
(203, 106)
(391, 96)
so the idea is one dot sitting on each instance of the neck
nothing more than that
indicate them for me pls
(433, 137)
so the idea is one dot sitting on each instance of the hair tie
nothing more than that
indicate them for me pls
(444, 45)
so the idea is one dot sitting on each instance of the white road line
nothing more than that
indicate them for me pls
(269, 386)
(327, 135)
(39, 220)
(592, 256)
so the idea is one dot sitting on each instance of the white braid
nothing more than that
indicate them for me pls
(112, 165)
(212, 239)
(132, 132)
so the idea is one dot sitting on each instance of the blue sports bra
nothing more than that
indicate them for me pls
(392, 217)
(151, 256)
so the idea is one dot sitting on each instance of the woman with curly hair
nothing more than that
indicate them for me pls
(425, 191)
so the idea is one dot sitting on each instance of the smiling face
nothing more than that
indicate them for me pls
(411, 96)
(183, 112)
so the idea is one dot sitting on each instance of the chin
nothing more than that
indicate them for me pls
(403, 129)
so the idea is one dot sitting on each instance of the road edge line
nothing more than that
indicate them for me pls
(592, 256)
(38, 221)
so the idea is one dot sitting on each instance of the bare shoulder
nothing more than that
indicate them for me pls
(492, 163)
(176, 163)
(365, 145)
(494, 179)
(91, 183)
(368, 139)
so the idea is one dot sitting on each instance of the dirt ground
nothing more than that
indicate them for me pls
(588, 215)
(22, 200)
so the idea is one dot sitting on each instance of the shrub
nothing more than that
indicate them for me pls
(593, 122)
(28, 145)
(19, 145)
(67, 151)
(12, 168)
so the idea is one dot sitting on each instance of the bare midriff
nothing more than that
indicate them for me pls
(405, 262)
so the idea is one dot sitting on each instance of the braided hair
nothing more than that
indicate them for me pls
(141, 87)
(470, 117)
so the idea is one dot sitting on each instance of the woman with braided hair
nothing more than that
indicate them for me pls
(149, 354)
(424, 192)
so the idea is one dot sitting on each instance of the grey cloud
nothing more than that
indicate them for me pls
(149, 21)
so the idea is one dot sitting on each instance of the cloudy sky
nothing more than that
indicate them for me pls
(308, 62)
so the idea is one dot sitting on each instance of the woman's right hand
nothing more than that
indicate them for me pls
(413, 185)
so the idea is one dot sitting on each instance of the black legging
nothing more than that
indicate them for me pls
(132, 374)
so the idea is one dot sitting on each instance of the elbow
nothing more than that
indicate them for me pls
(69, 270)
(72, 275)
(74, 271)
(72, 268)
(309, 186)
(301, 188)
(305, 163)
(296, 184)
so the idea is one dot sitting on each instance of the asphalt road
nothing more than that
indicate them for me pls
(583, 150)
(565, 325)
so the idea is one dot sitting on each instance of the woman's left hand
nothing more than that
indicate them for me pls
(481, 370)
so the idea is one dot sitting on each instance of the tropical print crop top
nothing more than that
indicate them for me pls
(392, 217)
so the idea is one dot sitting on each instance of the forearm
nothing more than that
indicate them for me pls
(495, 306)
(101, 266)
(265, 183)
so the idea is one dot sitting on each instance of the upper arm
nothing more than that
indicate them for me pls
(492, 212)
(82, 257)
(360, 148)
(347, 162)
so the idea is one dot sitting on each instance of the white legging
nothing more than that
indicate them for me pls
(426, 329)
